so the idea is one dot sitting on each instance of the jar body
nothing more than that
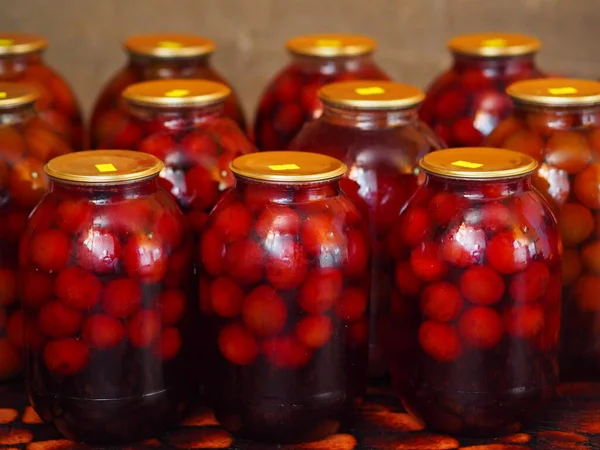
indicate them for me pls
(56, 104)
(382, 151)
(284, 301)
(567, 143)
(464, 104)
(108, 311)
(106, 110)
(196, 146)
(291, 98)
(475, 313)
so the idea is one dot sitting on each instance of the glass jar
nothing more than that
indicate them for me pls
(283, 293)
(291, 99)
(107, 265)
(557, 121)
(26, 143)
(21, 61)
(475, 313)
(464, 104)
(183, 123)
(155, 57)
(374, 129)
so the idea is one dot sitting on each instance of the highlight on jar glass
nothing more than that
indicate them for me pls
(21, 61)
(26, 143)
(373, 127)
(465, 103)
(106, 262)
(557, 121)
(183, 123)
(291, 98)
(155, 57)
(283, 293)
(475, 312)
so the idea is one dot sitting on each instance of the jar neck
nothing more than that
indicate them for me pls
(155, 65)
(19, 63)
(493, 189)
(177, 118)
(106, 193)
(331, 65)
(556, 117)
(17, 114)
(286, 193)
(368, 119)
(507, 64)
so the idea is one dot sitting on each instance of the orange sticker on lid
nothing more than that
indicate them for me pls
(372, 90)
(105, 168)
(494, 43)
(467, 164)
(563, 90)
(6, 42)
(169, 44)
(284, 167)
(177, 93)
(328, 43)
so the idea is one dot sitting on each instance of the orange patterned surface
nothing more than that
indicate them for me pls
(571, 422)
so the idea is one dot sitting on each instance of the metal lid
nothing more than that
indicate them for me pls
(371, 95)
(16, 94)
(478, 163)
(288, 167)
(20, 43)
(331, 45)
(494, 44)
(176, 93)
(103, 167)
(556, 91)
(169, 45)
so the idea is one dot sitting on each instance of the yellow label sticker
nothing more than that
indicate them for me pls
(494, 43)
(563, 90)
(177, 93)
(169, 44)
(6, 42)
(284, 167)
(467, 164)
(328, 43)
(372, 90)
(106, 168)
(3, 95)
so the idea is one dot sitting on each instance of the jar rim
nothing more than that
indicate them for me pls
(493, 45)
(331, 45)
(176, 93)
(556, 91)
(16, 94)
(21, 43)
(371, 94)
(169, 45)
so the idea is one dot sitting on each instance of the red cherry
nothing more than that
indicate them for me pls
(200, 147)
(441, 302)
(145, 258)
(440, 341)
(358, 253)
(98, 250)
(406, 281)
(226, 297)
(481, 285)
(320, 234)
(464, 245)
(201, 190)
(212, 252)
(57, 320)
(496, 217)
(531, 209)
(50, 249)
(277, 220)
(415, 226)
(172, 304)
(157, 144)
(169, 344)
(426, 262)
(143, 328)
(575, 223)
(258, 197)
(13, 145)
(36, 288)
(525, 141)
(286, 263)
(27, 182)
(320, 290)
(286, 353)
(245, 261)
(238, 345)
(233, 222)
(73, 215)
(464, 133)
(508, 252)
(481, 327)
(67, 356)
(444, 207)
(568, 151)
(524, 321)
(314, 331)
(102, 332)
(492, 104)
(472, 80)
(78, 288)
(450, 104)
(289, 118)
(309, 98)
(352, 305)
(586, 186)
(170, 228)
(531, 284)
(8, 287)
(127, 217)
(122, 297)
(288, 87)
(264, 311)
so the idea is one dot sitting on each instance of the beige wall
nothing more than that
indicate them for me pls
(85, 35)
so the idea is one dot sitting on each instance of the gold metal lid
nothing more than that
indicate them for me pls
(16, 94)
(288, 167)
(371, 94)
(494, 44)
(478, 163)
(20, 43)
(103, 167)
(176, 93)
(331, 45)
(556, 91)
(169, 45)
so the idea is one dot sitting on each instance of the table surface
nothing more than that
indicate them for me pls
(571, 421)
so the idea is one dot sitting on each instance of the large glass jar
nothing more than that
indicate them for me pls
(107, 266)
(475, 314)
(26, 143)
(155, 57)
(557, 121)
(291, 99)
(21, 61)
(373, 128)
(183, 123)
(283, 293)
(465, 103)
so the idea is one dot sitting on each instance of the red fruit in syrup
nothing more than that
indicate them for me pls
(169, 344)
(67, 356)
(145, 258)
(508, 252)
(102, 332)
(122, 297)
(264, 311)
(415, 226)
(426, 262)
(98, 250)
(286, 263)
(321, 235)
(440, 341)
(524, 321)
(226, 297)
(232, 222)
(531, 284)
(143, 328)
(73, 215)
(481, 285)
(245, 262)
(314, 331)
(358, 253)
(480, 327)
(212, 252)
(49, 250)
(464, 245)
(8, 287)
(238, 345)
(320, 290)
(57, 320)
(286, 353)
(277, 220)
(441, 302)
(496, 217)
(78, 288)
(352, 305)
(406, 281)
(172, 306)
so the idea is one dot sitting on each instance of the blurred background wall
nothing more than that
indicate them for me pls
(85, 35)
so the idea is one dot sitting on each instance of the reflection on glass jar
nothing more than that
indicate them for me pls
(106, 261)
(156, 57)
(283, 293)
(291, 98)
(557, 121)
(465, 103)
(372, 126)
(475, 313)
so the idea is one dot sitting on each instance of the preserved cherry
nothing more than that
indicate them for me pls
(465, 103)
(183, 123)
(107, 328)
(157, 57)
(561, 119)
(291, 98)
(472, 332)
(284, 299)
(21, 61)
(372, 126)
